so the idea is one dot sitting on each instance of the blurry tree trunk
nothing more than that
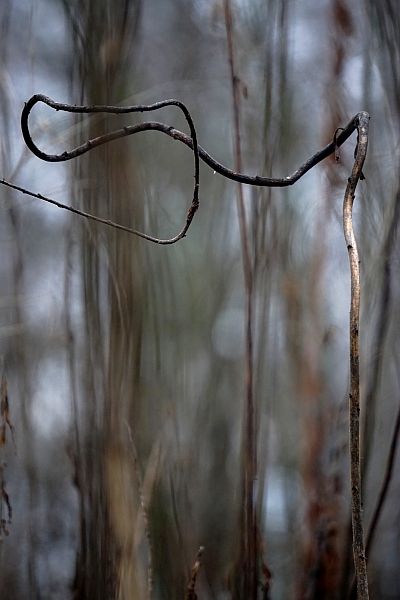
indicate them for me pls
(105, 182)
(321, 549)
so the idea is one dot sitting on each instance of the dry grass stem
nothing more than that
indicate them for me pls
(190, 593)
(145, 515)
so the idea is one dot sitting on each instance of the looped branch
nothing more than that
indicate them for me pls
(113, 136)
(189, 141)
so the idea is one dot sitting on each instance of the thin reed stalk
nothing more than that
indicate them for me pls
(250, 576)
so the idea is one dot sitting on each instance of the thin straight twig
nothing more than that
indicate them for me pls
(145, 515)
(81, 213)
(250, 566)
(385, 484)
(190, 593)
(381, 333)
(354, 395)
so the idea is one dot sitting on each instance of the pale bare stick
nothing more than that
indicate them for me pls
(354, 395)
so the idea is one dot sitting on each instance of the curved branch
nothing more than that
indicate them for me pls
(191, 142)
(354, 396)
(113, 136)
(332, 147)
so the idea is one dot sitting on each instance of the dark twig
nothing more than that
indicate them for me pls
(190, 593)
(115, 135)
(176, 135)
(191, 142)
(381, 332)
(145, 516)
(81, 213)
(354, 396)
(385, 484)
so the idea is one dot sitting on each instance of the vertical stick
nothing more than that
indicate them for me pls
(354, 396)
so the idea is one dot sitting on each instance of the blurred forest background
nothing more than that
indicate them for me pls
(104, 335)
